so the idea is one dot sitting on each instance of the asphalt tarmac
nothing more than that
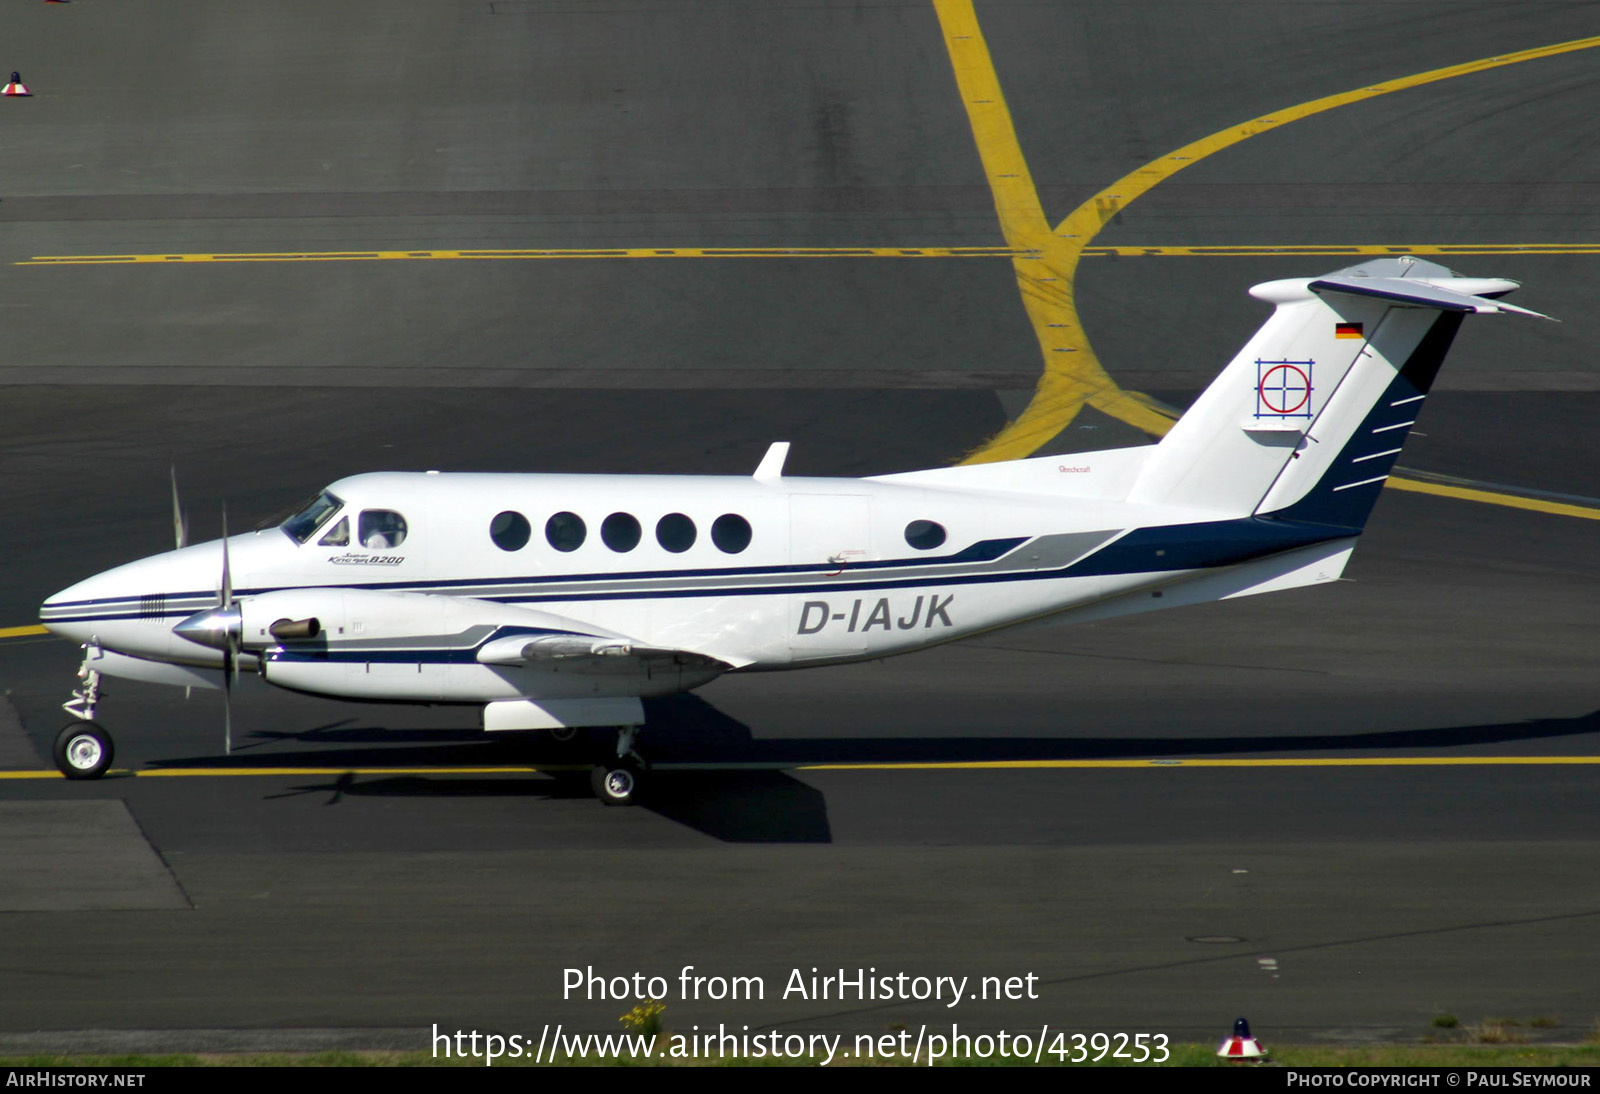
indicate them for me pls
(359, 907)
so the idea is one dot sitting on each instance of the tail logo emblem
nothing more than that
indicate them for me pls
(1283, 390)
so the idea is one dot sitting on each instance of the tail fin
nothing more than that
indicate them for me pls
(1307, 420)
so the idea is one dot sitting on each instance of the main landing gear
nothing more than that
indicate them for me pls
(83, 748)
(616, 781)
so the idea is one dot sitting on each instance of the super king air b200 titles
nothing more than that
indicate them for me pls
(554, 602)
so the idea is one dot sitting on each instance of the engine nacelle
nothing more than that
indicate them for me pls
(419, 647)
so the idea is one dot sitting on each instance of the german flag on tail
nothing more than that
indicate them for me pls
(1347, 330)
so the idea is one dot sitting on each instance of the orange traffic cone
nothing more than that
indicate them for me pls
(1241, 1046)
(16, 86)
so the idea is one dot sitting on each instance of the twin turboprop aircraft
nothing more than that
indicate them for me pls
(554, 602)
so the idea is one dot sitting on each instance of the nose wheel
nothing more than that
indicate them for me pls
(83, 750)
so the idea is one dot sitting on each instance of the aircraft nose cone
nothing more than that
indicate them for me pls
(218, 628)
(63, 613)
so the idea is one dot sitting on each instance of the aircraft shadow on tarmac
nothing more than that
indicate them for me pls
(760, 803)
(732, 806)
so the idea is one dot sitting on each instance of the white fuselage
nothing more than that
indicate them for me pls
(776, 573)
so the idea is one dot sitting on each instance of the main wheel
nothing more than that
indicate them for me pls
(615, 783)
(83, 750)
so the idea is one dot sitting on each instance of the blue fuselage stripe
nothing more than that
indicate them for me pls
(1161, 549)
(987, 550)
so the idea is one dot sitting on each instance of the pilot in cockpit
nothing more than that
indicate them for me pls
(382, 529)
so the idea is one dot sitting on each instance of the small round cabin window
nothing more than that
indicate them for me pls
(565, 531)
(510, 531)
(675, 532)
(924, 535)
(621, 532)
(731, 533)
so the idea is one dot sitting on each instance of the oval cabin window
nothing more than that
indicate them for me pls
(565, 531)
(924, 535)
(510, 531)
(675, 532)
(621, 532)
(731, 533)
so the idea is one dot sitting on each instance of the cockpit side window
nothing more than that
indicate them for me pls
(339, 536)
(382, 528)
(304, 524)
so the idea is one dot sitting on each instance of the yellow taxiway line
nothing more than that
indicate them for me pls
(524, 253)
(952, 765)
(1493, 497)
(18, 632)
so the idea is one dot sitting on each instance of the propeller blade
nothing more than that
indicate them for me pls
(180, 523)
(227, 574)
(228, 664)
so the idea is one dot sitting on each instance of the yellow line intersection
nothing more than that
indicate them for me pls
(1073, 376)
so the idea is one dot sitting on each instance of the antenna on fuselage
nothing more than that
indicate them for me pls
(180, 523)
(771, 466)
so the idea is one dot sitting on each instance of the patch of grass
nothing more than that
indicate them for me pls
(1452, 1055)
(1446, 1021)
(1496, 1031)
(645, 1019)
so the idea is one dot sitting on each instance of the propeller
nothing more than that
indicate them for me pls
(234, 636)
(221, 628)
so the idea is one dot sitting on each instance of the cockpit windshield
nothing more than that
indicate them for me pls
(304, 524)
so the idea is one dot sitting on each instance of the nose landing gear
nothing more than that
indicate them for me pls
(83, 749)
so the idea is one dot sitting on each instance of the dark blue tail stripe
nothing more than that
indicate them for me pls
(1346, 494)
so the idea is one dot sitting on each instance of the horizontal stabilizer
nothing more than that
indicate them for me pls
(1423, 294)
